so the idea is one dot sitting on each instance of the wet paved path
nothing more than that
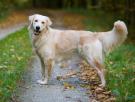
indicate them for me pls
(54, 92)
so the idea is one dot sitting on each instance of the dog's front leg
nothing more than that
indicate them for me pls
(46, 70)
(43, 80)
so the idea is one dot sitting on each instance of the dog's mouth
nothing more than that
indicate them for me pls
(37, 32)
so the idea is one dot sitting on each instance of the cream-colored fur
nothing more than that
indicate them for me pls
(50, 44)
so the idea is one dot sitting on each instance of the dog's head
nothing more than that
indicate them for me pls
(38, 23)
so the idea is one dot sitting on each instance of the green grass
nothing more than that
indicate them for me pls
(15, 51)
(120, 64)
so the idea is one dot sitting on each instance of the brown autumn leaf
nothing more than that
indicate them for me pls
(107, 92)
(112, 99)
(100, 96)
(94, 100)
(59, 78)
(68, 86)
(64, 65)
(68, 75)
(99, 90)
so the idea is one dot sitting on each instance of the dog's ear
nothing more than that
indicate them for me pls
(31, 18)
(49, 22)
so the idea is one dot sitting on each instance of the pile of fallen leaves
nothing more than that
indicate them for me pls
(97, 92)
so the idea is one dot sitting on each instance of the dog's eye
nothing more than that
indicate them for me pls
(43, 22)
(36, 20)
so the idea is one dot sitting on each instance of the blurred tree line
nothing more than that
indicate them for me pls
(126, 8)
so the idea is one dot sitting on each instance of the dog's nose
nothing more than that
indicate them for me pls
(37, 28)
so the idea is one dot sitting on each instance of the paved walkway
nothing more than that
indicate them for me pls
(30, 91)
(6, 31)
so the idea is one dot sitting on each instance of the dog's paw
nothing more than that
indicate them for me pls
(42, 82)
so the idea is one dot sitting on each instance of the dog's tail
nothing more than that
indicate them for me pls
(115, 37)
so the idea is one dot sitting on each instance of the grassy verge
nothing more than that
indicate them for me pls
(120, 64)
(15, 51)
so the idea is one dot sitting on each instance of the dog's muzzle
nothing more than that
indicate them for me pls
(37, 32)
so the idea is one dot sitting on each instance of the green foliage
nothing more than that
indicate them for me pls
(21, 4)
(7, 6)
(15, 52)
(120, 66)
(4, 7)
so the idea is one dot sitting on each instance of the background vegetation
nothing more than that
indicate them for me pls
(122, 9)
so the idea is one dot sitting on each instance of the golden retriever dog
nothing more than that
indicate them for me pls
(51, 43)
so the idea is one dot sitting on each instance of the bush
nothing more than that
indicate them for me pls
(4, 7)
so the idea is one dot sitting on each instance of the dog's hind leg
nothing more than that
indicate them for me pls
(93, 53)
(100, 70)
